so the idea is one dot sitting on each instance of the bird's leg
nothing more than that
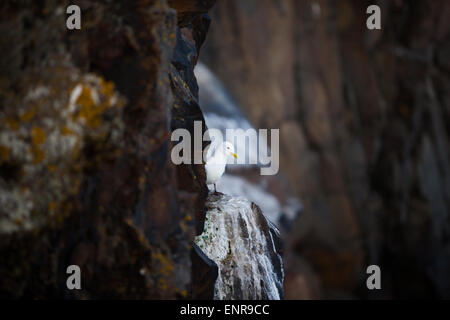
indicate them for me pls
(215, 191)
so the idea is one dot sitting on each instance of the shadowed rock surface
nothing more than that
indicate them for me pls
(85, 170)
(364, 130)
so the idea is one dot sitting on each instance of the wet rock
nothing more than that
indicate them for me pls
(245, 247)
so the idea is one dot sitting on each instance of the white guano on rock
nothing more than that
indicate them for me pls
(240, 240)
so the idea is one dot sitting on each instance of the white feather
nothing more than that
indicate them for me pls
(216, 160)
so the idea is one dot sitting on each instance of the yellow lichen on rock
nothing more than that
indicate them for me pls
(165, 265)
(43, 137)
(4, 154)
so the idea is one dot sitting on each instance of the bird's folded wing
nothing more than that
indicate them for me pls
(210, 151)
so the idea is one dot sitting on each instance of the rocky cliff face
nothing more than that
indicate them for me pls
(245, 246)
(85, 173)
(363, 118)
(85, 170)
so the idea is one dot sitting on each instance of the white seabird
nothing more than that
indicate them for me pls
(216, 160)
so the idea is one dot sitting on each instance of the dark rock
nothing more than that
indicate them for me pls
(189, 10)
(205, 275)
(361, 115)
(85, 170)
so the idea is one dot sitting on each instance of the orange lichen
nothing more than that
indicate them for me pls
(12, 123)
(166, 266)
(28, 115)
(66, 131)
(4, 154)
(37, 136)
(89, 110)
(184, 293)
(162, 284)
(51, 206)
(38, 154)
(142, 182)
(18, 221)
(106, 88)
(86, 102)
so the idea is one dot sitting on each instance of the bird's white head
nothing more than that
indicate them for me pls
(228, 149)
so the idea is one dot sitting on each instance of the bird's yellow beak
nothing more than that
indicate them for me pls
(234, 155)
